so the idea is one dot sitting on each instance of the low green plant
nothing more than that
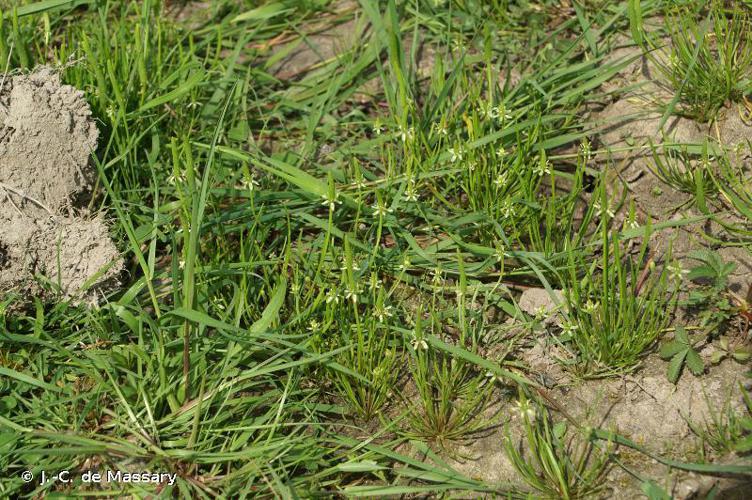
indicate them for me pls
(740, 352)
(615, 312)
(708, 62)
(451, 393)
(743, 443)
(728, 428)
(553, 460)
(734, 182)
(685, 171)
(709, 298)
(356, 320)
(681, 352)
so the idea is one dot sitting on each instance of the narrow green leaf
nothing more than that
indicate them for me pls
(271, 312)
(634, 13)
(27, 379)
(264, 12)
(183, 89)
(47, 5)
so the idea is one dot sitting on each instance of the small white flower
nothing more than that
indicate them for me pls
(352, 294)
(381, 312)
(374, 283)
(591, 307)
(441, 129)
(332, 296)
(542, 169)
(380, 210)
(330, 202)
(313, 326)
(500, 253)
(411, 193)
(568, 328)
(525, 410)
(352, 267)
(507, 210)
(419, 344)
(500, 152)
(455, 155)
(676, 272)
(249, 183)
(585, 150)
(437, 275)
(111, 113)
(488, 111)
(502, 113)
(406, 133)
(540, 313)
(378, 128)
(599, 210)
(501, 180)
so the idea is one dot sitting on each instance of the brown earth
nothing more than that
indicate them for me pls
(47, 136)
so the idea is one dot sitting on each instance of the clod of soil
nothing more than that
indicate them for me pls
(47, 136)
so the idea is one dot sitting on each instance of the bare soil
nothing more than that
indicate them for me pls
(47, 136)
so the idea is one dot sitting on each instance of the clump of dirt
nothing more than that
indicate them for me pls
(47, 135)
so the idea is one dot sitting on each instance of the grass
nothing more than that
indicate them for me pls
(553, 464)
(726, 428)
(616, 308)
(708, 62)
(318, 262)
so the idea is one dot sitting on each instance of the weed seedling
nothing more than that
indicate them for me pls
(681, 351)
(710, 298)
(709, 60)
(556, 462)
(451, 392)
(616, 313)
(727, 426)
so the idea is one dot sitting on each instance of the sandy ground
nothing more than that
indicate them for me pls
(46, 140)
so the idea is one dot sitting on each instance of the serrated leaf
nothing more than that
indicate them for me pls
(675, 366)
(700, 272)
(670, 349)
(694, 362)
(728, 268)
(681, 335)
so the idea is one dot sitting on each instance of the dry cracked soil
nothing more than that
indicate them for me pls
(49, 243)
